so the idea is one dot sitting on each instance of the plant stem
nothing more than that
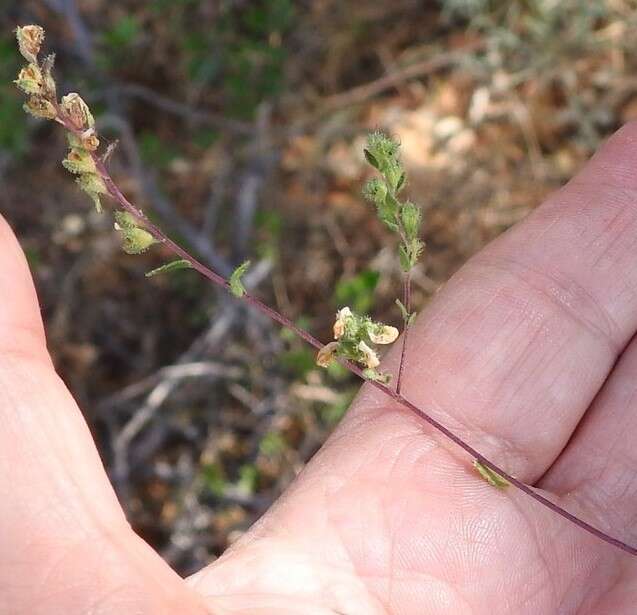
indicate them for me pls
(219, 280)
(407, 304)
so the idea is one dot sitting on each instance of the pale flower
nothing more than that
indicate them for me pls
(370, 357)
(326, 354)
(341, 319)
(383, 334)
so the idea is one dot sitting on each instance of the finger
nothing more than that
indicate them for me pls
(514, 348)
(598, 469)
(21, 328)
(65, 544)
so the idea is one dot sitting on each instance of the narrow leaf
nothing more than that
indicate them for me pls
(372, 374)
(236, 285)
(371, 159)
(493, 478)
(403, 310)
(168, 267)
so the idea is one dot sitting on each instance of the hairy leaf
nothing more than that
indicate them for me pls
(236, 285)
(493, 478)
(182, 263)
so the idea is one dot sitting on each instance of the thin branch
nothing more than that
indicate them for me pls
(403, 350)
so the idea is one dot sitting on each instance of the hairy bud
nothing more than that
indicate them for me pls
(135, 240)
(411, 217)
(375, 190)
(79, 161)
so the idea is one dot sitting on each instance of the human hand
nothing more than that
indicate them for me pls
(526, 353)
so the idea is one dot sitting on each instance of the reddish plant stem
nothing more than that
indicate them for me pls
(407, 305)
(219, 280)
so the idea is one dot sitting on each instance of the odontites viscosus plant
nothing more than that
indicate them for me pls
(355, 335)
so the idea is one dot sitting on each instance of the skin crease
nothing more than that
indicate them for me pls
(526, 352)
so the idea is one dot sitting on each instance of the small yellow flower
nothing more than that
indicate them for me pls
(370, 357)
(342, 316)
(29, 41)
(89, 140)
(383, 335)
(326, 354)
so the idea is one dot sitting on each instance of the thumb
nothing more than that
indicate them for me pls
(66, 546)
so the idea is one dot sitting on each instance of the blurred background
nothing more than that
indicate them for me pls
(240, 127)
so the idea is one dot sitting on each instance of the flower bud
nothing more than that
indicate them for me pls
(375, 191)
(30, 80)
(124, 220)
(136, 240)
(93, 185)
(29, 41)
(411, 217)
(382, 148)
(77, 111)
(39, 107)
(91, 182)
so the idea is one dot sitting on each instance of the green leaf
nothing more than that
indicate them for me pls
(401, 182)
(388, 211)
(371, 159)
(403, 310)
(168, 267)
(493, 478)
(236, 285)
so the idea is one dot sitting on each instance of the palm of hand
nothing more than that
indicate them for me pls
(518, 354)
